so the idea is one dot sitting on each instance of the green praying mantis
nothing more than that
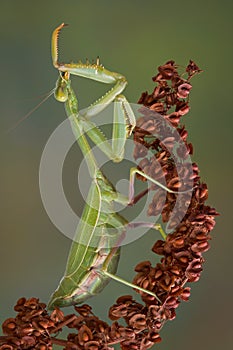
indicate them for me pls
(95, 251)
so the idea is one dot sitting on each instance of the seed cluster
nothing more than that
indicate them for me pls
(181, 252)
(182, 249)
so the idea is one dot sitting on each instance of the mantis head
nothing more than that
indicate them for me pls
(62, 85)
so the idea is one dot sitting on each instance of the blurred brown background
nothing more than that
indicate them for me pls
(132, 38)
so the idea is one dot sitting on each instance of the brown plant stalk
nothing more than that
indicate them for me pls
(181, 252)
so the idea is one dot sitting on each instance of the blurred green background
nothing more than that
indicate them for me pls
(133, 38)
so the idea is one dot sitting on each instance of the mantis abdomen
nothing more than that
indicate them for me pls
(88, 281)
(95, 248)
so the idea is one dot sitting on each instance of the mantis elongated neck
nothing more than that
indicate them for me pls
(71, 107)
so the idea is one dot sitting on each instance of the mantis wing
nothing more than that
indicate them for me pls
(82, 251)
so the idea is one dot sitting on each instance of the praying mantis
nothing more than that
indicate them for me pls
(95, 251)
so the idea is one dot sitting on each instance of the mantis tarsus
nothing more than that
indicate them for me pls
(94, 254)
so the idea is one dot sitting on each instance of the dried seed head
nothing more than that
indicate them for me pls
(181, 252)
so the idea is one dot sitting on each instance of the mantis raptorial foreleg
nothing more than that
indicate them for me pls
(94, 254)
(123, 124)
(124, 119)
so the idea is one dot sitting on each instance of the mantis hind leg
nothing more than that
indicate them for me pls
(107, 265)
